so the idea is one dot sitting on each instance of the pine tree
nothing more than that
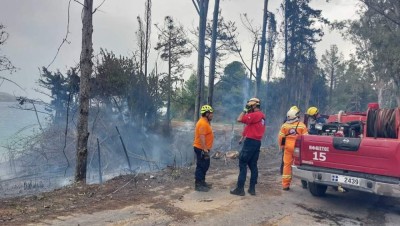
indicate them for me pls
(173, 45)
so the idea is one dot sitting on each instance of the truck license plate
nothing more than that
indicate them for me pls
(346, 180)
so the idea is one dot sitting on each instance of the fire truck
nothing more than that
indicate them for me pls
(352, 151)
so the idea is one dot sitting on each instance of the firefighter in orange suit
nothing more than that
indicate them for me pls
(287, 138)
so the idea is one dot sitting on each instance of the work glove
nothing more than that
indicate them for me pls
(241, 140)
(205, 154)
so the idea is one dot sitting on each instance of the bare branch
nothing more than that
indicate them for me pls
(247, 23)
(380, 12)
(65, 39)
(37, 117)
(42, 92)
(98, 6)
(238, 51)
(79, 3)
(8, 80)
(29, 109)
(22, 100)
(196, 6)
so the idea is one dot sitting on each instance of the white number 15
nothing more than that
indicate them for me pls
(320, 156)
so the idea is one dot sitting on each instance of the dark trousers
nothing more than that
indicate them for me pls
(248, 157)
(202, 165)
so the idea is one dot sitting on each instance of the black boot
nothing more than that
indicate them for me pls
(238, 191)
(205, 184)
(252, 190)
(199, 186)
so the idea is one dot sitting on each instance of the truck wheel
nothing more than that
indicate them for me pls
(317, 189)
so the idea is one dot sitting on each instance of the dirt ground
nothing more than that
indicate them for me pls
(161, 191)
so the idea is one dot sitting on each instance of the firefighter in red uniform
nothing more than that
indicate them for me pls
(253, 133)
(287, 138)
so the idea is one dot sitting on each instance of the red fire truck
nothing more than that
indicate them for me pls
(353, 151)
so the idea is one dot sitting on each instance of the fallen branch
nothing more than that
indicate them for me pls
(134, 177)
(123, 145)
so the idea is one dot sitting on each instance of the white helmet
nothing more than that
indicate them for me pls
(253, 101)
(293, 113)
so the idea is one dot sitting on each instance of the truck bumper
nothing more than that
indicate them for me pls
(365, 185)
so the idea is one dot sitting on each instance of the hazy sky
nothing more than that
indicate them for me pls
(37, 28)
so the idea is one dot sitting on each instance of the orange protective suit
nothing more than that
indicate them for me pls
(290, 131)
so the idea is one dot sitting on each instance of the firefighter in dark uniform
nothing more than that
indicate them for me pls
(313, 119)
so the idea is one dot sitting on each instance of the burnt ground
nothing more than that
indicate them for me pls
(167, 197)
(127, 190)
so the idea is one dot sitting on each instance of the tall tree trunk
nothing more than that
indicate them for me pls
(144, 90)
(308, 81)
(292, 66)
(332, 77)
(263, 42)
(286, 39)
(269, 62)
(147, 35)
(253, 55)
(169, 85)
(213, 54)
(203, 9)
(156, 93)
(86, 71)
(286, 73)
(380, 84)
(294, 86)
(256, 62)
(141, 43)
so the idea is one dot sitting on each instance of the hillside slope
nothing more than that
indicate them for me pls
(6, 97)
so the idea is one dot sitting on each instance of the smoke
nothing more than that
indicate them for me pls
(46, 159)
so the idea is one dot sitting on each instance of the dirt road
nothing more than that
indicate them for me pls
(271, 206)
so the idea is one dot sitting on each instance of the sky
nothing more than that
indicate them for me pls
(36, 30)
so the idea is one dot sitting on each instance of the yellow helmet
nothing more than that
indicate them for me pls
(253, 101)
(294, 107)
(206, 108)
(312, 111)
